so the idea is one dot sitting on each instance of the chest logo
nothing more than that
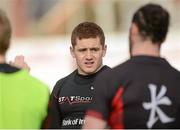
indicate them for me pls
(74, 99)
(92, 88)
(155, 111)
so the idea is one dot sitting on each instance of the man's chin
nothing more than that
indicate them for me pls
(90, 71)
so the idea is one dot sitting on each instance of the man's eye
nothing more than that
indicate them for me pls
(95, 49)
(82, 50)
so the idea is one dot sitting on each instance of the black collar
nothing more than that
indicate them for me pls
(6, 68)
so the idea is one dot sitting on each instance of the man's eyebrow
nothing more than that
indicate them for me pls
(94, 48)
(82, 49)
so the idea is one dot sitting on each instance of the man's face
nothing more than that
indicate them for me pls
(88, 54)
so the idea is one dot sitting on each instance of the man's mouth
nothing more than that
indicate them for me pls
(89, 64)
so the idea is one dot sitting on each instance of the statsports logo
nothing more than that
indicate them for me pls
(74, 99)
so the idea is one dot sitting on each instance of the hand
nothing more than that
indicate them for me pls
(20, 63)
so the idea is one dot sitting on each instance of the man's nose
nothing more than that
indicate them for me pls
(89, 55)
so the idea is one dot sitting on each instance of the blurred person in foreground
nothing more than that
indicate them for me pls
(72, 95)
(142, 92)
(23, 98)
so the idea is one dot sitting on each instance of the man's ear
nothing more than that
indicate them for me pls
(134, 29)
(104, 50)
(72, 51)
(134, 33)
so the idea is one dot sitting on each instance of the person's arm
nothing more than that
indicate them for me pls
(94, 123)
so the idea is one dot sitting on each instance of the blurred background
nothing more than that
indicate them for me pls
(42, 31)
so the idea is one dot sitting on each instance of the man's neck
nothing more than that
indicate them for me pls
(2, 59)
(146, 48)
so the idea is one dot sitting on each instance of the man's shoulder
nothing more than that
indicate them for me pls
(122, 66)
(115, 72)
(103, 69)
(28, 79)
(32, 84)
(175, 72)
(65, 78)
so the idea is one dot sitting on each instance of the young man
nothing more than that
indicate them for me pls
(72, 95)
(23, 98)
(144, 91)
